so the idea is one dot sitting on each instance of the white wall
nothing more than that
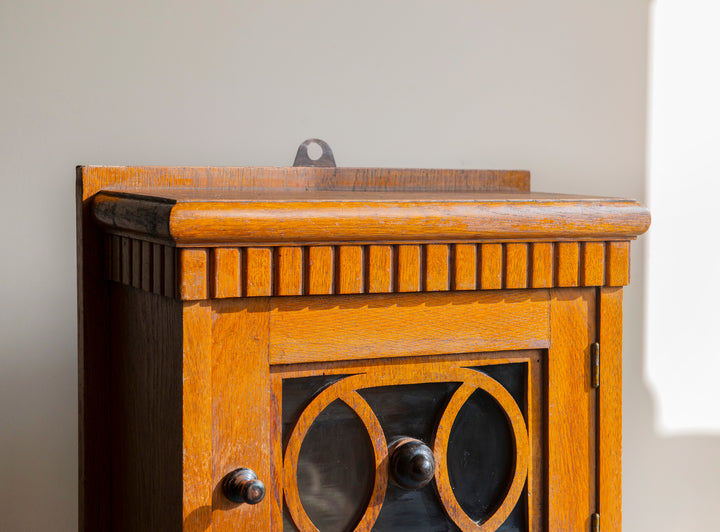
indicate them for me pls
(558, 87)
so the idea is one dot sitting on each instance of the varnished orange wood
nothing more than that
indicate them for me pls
(516, 265)
(437, 267)
(571, 410)
(227, 277)
(491, 266)
(465, 264)
(193, 273)
(321, 270)
(258, 271)
(380, 269)
(350, 263)
(409, 268)
(289, 271)
(542, 265)
(618, 263)
(568, 264)
(197, 415)
(593, 264)
(610, 410)
(374, 326)
(241, 402)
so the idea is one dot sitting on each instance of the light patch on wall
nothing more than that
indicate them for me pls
(683, 296)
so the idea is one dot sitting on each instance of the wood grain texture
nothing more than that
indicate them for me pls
(437, 267)
(374, 326)
(610, 410)
(516, 266)
(542, 264)
(465, 266)
(571, 411)
(593, 264)
(240, 406)
(289, 271)
(618, 263)
(324, 270)
(409, 268)
(146, 392)
(491, 266)
(381, 269)
(349, 274)
(226, 279)
(352, 216)
(568, 264)
(321, 270)
(258, 271)
(193, 273)
(197, 416)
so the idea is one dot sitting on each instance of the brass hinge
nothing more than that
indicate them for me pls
(595, 365)
(595, 522)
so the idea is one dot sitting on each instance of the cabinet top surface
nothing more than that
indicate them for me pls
(221, 206)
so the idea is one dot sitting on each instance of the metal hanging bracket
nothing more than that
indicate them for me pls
(303, 159)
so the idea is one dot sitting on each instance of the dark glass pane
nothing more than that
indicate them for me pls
(481, 452)
(336, 469)
(513, 377)
(297, 394)
(411, 410)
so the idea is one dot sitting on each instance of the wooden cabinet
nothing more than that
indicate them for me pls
(348, 348)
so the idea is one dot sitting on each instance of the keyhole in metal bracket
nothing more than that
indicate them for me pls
(314, 151)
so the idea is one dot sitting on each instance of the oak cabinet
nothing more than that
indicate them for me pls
(320, 348)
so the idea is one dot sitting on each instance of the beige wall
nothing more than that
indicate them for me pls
(557, 87)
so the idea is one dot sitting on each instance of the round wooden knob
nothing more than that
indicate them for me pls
(412, 464)
(243, 486)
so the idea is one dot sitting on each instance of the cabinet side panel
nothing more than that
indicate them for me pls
(610, 409)
(146, 413)
(197, 416)
(571, 411)
(240, 408)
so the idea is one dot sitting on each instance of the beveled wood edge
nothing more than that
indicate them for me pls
(226, 272)
(346, 220)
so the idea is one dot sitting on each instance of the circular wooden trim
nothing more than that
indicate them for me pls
(345, 390)
(341, 390)
(473, 382)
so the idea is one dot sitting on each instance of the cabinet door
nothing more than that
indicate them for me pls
(495, 385)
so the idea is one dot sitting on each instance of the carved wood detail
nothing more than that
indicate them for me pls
(216, 273)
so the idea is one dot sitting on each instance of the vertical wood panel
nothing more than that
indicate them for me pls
(464, 267)
(227, 280)
(258, 272)
(568, 263)
(618, 263)
(136, 263)
(289, 271)
(320, 269)
(125, 260)
(610, 410)
(571, 410)
(349, 269)
(169, 269)
(193, 265)
(146, 266)
(380, 269)
(276, 454)
(240, 407)
(197, 417)
(593, 264)
(542, 265)
(437, 267)
(516, 265)
(116, 245)
(491, 266)
(408, 268)
(157, 271)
